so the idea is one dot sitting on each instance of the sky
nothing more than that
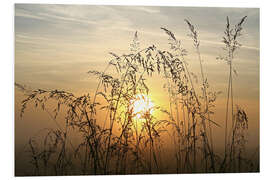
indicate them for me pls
(56, 45)
(59, 43)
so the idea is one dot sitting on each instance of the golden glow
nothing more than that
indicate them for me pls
(140, 105)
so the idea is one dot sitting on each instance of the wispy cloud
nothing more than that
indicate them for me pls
(62, 34)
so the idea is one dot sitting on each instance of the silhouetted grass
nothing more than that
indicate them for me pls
(127, 146)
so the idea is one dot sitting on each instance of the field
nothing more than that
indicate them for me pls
(154, 109)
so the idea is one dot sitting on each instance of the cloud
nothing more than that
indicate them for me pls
(26, 15)
(61, 34)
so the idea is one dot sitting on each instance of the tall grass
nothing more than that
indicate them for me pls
(123, 144)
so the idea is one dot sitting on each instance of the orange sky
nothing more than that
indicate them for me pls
(55, 45)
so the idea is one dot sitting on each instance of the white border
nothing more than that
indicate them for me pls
(7, 81)
(208, 3)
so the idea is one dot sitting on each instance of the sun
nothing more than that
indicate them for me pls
(140, 105)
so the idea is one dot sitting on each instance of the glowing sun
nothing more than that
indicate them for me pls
(140, 105)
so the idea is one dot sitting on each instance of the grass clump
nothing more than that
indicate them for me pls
(122, 143)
